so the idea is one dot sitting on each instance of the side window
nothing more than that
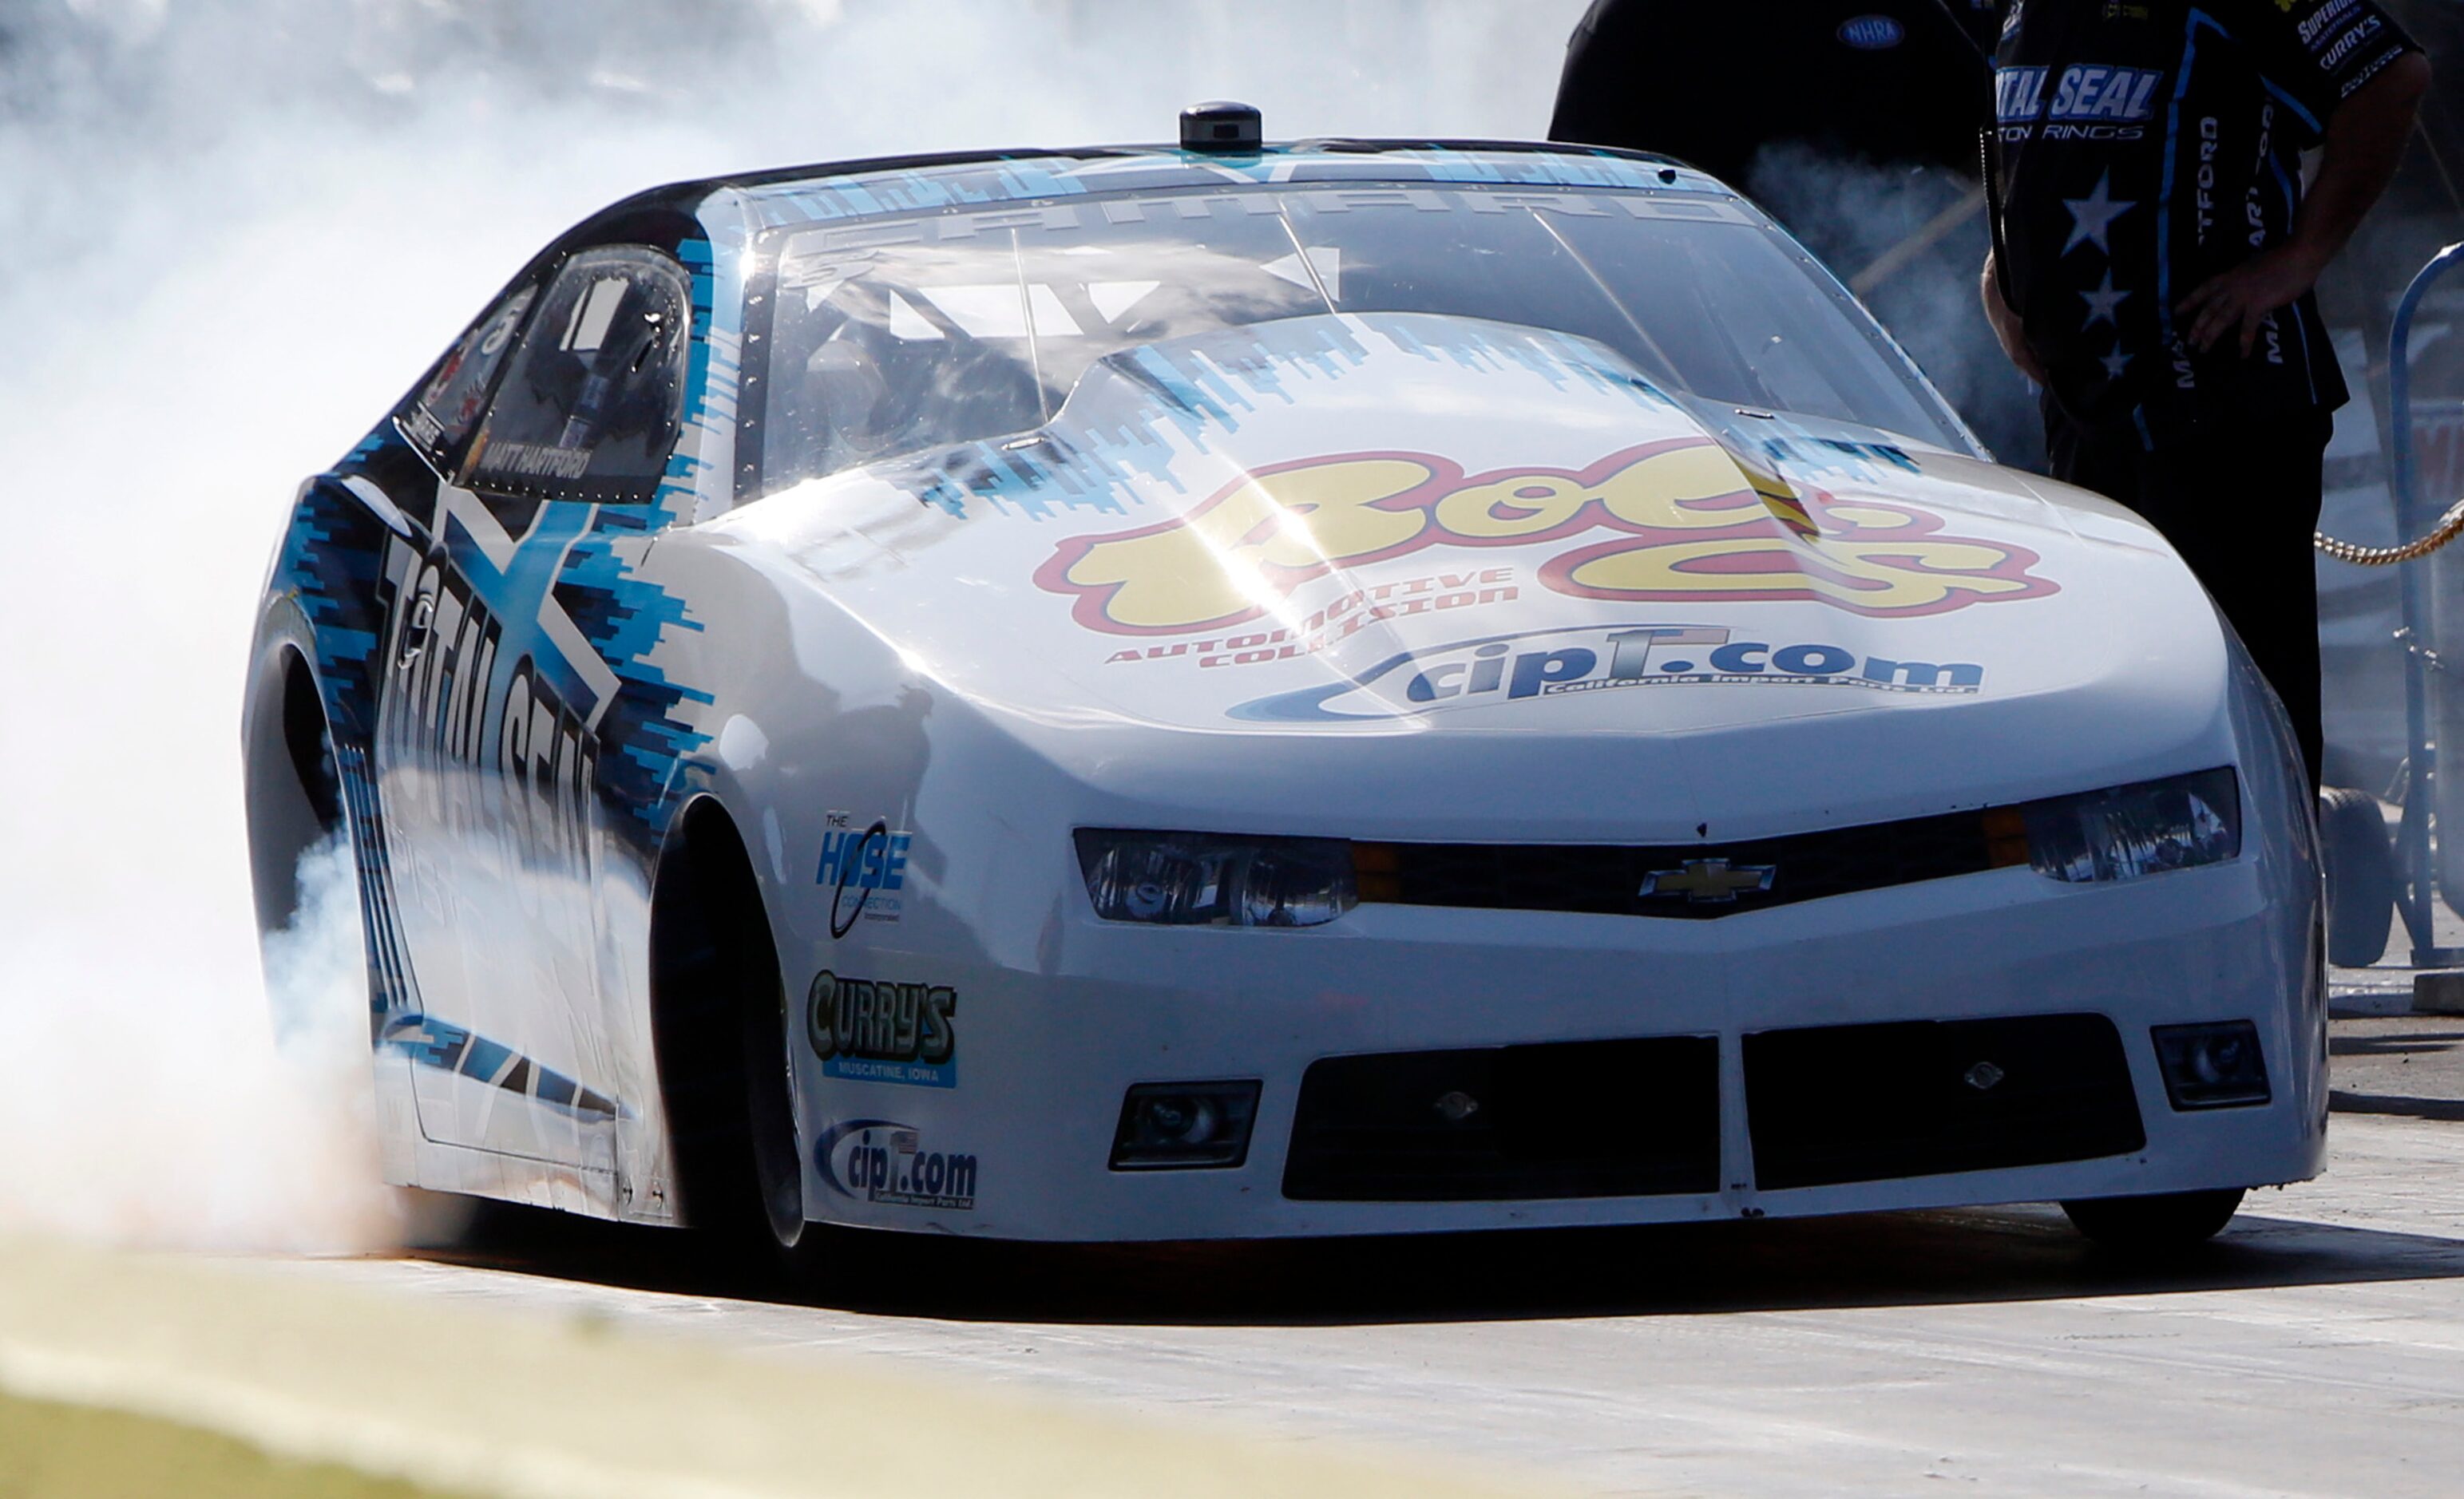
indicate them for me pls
(590, 408)
(448, 406)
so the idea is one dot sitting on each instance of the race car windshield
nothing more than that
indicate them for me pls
(895, 335)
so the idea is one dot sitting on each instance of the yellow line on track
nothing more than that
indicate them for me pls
(54, 1451)
(519, 1404)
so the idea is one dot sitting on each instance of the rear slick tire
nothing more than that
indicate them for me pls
(2168, 1223)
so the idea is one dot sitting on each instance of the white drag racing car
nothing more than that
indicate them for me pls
(1256, 690)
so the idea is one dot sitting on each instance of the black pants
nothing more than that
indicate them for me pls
(2238, 500)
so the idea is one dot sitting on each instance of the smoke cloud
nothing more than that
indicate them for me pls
(231, 234)
(1910, 241)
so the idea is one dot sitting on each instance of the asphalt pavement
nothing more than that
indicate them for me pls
(2317, 1348)
(2386, 1057)
(2398, 1064)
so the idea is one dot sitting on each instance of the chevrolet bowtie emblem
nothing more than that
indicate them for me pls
(1710, 881)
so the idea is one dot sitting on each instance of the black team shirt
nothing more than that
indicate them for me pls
(2143, 146)
(1712, 84)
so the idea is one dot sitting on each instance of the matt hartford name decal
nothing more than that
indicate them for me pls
(1668, 521)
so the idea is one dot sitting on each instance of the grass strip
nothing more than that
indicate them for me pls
(55, 1451)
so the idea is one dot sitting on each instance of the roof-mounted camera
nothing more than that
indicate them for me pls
(1222, 125)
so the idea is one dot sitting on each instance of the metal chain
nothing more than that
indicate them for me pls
(2450, 526)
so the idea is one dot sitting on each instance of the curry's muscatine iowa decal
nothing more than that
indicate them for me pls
(877, 1032)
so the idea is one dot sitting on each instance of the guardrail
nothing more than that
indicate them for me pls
(2414, 849)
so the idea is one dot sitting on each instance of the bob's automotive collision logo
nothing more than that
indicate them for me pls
(1683, 524)
(1549, 664)
(881, 1160)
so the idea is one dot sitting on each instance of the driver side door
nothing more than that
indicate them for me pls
(488, 746)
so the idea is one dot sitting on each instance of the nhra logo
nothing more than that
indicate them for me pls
(1550, 663)
(1681, 522)
(884, 1032)
(879, 1161)
(1872, 32)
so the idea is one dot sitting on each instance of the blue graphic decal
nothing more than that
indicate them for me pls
(1120, 423)
(1020, 179)
(333, 559)
(430, 1042)
(641, 739)
(391, 989)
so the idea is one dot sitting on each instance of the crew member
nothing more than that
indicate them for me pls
(1713, 84)
(1854, 123)
(2153, 259)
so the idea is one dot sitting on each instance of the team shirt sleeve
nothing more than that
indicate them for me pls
(2318, 53)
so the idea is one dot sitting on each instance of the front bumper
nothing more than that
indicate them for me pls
(1044, 1058)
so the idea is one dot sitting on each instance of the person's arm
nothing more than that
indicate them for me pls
(2365, 141)
(2008, 330)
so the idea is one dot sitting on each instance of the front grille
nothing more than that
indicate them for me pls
(1864, 1104)
(1608, 880)
(1600, 1118)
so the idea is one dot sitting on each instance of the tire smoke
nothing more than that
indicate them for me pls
(1910, 241)
(239, 1125)
(234, 232)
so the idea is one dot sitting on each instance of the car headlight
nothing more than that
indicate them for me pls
(1208, 880)
(2128, 832)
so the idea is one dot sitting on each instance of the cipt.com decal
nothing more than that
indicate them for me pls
(881, 1160)
(1544, 664)
(870, 1031)
(1673, 521)
(865, 868)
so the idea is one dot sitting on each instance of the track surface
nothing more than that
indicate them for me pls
(2317, 1348)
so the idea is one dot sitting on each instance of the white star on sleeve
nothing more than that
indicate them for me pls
(2092, 216)
(2103, 303)
(2115, 363)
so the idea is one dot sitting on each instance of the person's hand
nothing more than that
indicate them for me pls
(2243, 296)
(2008, 330)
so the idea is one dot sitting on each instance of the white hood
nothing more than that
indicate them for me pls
(1421, 529)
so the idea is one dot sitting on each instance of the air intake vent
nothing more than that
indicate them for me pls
(1866, 1103)
(1584, 1118)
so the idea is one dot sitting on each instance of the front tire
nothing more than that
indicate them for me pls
(775, 1143)
(2168, 1223)
(721, 1028)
